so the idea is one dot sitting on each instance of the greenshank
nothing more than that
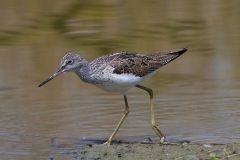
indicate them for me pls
(118, 72)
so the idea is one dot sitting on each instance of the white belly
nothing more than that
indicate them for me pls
(112, 82)
(119, 82)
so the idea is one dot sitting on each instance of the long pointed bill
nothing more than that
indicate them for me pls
(51, 77)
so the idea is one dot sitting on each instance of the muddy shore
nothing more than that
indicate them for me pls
(140, 151)
(157, 151)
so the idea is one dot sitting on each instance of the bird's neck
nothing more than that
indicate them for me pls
(84, 72)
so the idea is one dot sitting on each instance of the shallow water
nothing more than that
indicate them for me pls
(196, 96)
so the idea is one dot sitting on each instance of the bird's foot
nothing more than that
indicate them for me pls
(163, 140)
(107, 143)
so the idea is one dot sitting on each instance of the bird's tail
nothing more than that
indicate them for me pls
(165, 58)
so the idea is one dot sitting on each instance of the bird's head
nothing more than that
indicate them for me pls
(69, 62)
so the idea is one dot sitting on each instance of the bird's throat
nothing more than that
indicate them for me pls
(84, 72)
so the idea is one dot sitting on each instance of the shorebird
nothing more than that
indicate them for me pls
(118, 72)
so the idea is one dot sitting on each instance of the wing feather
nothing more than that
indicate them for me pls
(137, 64)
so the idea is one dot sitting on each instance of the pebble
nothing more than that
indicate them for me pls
(207, 146)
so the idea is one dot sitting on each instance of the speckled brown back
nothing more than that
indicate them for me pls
(141, 65)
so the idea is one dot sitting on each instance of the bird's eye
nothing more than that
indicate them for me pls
(69, 62)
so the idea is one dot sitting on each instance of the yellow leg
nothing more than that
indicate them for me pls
(126, 111)
(153, 121)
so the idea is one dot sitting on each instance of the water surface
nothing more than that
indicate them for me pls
(196, 96)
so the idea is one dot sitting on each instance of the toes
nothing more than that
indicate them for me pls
(107, 143)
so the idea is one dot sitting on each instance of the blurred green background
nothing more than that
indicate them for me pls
(196, 96)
